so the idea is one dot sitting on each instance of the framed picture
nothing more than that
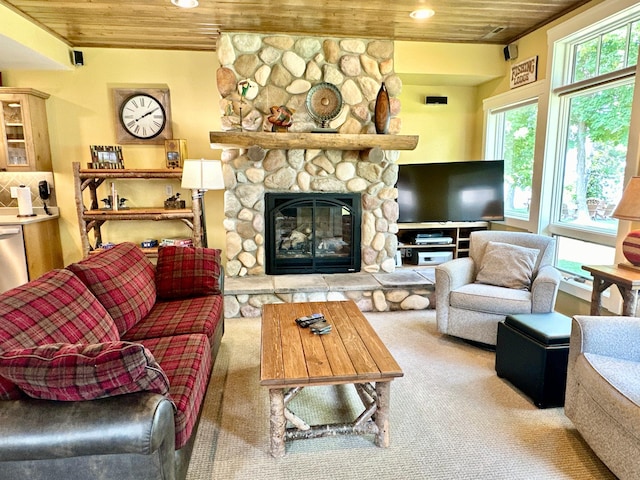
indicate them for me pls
(107, 157)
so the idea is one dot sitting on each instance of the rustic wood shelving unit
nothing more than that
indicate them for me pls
(93, 218)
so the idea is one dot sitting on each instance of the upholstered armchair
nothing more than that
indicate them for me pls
(505, 273)
(603, 389)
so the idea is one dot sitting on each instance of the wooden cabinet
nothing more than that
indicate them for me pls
(24, 132)
(431, 243)
(92, 218)
(42, 247)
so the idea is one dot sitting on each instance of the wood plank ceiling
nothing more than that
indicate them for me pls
(159, 24)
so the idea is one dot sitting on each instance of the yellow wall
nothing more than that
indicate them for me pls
(447, 132)
(21, 30)
(81, 113)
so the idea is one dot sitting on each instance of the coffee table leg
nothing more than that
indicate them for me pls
(278, 422)
(383, 392)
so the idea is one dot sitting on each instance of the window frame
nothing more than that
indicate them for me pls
(525, 95)
(560, 40)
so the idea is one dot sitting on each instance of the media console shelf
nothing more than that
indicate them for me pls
(439, 237)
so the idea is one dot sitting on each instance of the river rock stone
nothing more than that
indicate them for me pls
(226, 80)
(350, 65)
(262, 75)
(280, 76)
(414, 302)
(351, 94)
(299, 86)
(247, 64)
(331, 51)
(294, 63)
(281, 180)
(353, 45)
(313, 72)
(381, 49)
(282, 42)
(371, 67)
(307, 47)
(247, 43)
(270, 55)
(226, 52)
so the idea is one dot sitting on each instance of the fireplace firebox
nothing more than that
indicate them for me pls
(312, 232)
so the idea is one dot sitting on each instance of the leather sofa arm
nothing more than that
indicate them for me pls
(139, 423)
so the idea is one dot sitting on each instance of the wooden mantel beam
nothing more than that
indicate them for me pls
(321, 141)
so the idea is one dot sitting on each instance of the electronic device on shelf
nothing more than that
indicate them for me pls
(421, 257)
(433, 241)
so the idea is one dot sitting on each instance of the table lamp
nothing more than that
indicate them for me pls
(629, 209)
(200, 176)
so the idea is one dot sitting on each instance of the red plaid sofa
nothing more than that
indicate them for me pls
(104, 365)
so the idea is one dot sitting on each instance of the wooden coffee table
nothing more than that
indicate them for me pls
(292, 358)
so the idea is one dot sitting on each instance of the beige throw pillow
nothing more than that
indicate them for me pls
(506, 265)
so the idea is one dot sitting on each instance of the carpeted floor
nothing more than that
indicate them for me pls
(451, 418)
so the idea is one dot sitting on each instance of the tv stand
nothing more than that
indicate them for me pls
(437, 237)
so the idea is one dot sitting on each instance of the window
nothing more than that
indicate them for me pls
(510, 135)
(591, 103)
(515, 130)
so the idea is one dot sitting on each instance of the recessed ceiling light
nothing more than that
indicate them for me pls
(185, 3)
(422, 13)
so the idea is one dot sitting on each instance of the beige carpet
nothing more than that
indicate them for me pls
(451, 418)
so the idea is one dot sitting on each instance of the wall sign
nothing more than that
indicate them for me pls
(524, 72)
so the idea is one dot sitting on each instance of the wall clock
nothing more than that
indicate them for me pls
(142, 115)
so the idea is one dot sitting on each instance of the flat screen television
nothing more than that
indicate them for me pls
(451, 192)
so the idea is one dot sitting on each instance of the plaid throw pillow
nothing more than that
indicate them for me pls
(187, 272)
(62, 371)
(57, 307)
(122, 278)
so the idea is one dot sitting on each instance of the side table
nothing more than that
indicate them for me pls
(627, 281)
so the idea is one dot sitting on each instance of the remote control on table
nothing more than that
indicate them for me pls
(304, 322)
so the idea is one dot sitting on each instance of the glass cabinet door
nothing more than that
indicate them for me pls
(13, 119)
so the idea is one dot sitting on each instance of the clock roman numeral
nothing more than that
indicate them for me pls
(131, 124)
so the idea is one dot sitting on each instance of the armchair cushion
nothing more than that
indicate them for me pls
(72, 372)
(507, 265)
(183, 272)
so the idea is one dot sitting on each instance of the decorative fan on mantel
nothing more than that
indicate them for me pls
(324, 103)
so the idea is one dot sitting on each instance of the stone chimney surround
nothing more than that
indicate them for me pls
(279, 70)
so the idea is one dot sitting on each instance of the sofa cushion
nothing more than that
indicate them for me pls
(123, 279)
(178, 317)
(507, 265)
(73, 372)
(55, 308)
(187, 272)
(490, 299)
(186, 359)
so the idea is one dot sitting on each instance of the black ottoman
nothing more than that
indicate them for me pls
(532, 351)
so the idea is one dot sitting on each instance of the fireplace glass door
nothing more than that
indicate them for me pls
(312, 233)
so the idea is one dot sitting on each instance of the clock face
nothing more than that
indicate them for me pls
(143, 116)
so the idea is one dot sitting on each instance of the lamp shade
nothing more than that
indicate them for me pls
(202, 174)
(629, 206)
(629, 209)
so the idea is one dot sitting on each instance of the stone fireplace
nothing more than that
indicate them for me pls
(312, 233)
(259, 72)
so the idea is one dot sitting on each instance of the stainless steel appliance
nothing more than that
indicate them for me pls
(13, 260)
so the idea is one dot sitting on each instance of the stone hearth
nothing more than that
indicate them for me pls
(380, 292)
